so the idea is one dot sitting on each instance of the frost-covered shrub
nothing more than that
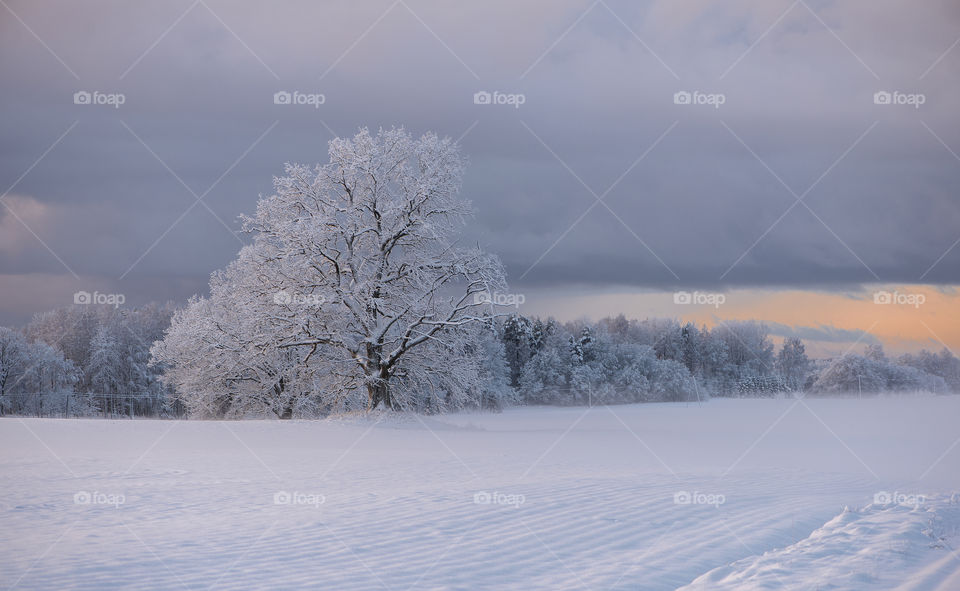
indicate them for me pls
(672, 382)
(856, 373)
(769, 385)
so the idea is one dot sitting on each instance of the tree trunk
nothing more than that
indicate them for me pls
(279, 389)
(378, 384)
(377, 392)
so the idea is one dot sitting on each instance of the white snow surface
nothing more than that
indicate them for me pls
(783, 494)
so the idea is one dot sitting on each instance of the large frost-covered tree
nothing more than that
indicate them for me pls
(354, 283)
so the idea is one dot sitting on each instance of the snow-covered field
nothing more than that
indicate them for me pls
(734, 494)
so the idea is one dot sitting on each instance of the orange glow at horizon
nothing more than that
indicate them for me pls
(904, 318)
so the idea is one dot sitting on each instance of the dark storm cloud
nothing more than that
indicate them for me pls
(798, 119)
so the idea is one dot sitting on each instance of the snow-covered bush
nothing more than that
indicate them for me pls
(671, 382)
(857, 373)
(764, 386)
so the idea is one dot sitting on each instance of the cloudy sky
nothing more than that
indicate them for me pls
(738, 148)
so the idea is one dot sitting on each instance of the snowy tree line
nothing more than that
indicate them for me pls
(85, 360)
(875, 372)
(617, 360)
(96, 361)
(620, 360)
